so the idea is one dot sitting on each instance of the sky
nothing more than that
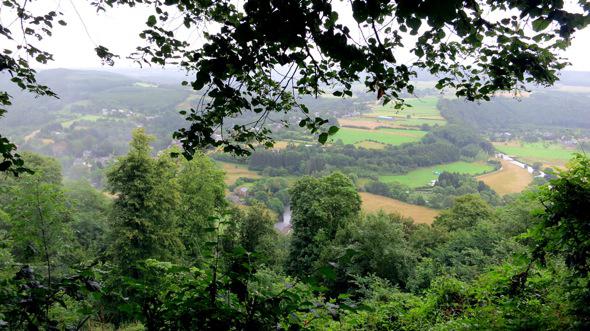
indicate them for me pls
(118, 29)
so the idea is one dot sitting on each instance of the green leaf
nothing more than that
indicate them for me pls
(333, 129)
(151, 21)
(323, 138)
(328, 272)
(540, 24)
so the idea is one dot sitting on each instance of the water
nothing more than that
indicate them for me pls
(284, 224)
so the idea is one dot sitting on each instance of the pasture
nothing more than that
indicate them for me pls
(552, 154)
(373, 203)
(387, 136)
(89, 118)
(510, 179)
(423, 176)
(234, 171)
(421, 111)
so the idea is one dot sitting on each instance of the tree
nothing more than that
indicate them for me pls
(373, 245)
(473, 47)
(564, 227)
(255, 226)
(202, 196)
(320, 206)
(466, 212)
(143, 219)
(89, 209)
(37, 214)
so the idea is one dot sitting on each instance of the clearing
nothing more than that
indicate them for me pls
(373, 203)
(424, 176)
(510, 179)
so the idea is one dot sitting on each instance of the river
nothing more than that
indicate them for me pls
(284, 224)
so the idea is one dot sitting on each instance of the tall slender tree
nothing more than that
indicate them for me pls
(144, 219)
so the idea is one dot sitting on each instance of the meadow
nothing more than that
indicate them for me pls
(373, 203)
(234, 171)
(420, 111)
(551, 154)
(385, 136)
(87, 117)
(424, 176)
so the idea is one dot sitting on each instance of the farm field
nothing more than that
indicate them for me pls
(510, 179)
(373, 203)
(423, 111)
(423, 176)
(363, 123)
(89, 118)
(386, 136)
(552, 154)
(234, 171)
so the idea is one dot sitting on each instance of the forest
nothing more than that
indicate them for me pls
(164, 250)
(301, 165)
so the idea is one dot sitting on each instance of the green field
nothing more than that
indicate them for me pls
(422, 111)
(537, 152)
(420, 107)
(385, 136)
(423, 176)
(89, 118)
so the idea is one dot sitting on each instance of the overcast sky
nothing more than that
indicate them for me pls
(118, 29)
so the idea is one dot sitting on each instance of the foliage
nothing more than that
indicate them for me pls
(441, 145)
(29, 302)
(318, 49)
(202, 196)
(144, 222)
(89, 211)
(272, 192)
(470, 269)
(564, 227)
(504, 53)
(372, 245)
(319, 208)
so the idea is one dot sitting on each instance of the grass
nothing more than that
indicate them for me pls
(234, 171)
(423, 176)
(89, 118)
(510, 179)
(373, 203)
(363, 123)
(423, 111)
(420, 107)
(555, 154)
(385, 136)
